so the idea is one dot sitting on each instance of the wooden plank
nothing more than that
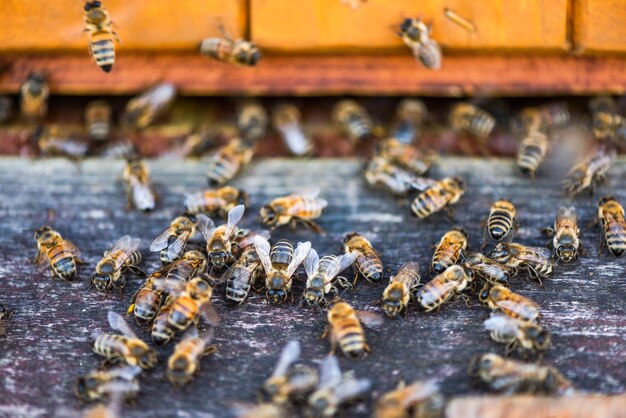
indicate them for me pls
(29, 25)
(486, 75)
(322, 25)
(48, 338)
(599, 26)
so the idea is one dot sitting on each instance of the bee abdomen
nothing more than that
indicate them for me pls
(134, 259)
(351, 340)
(103, 50)
(370, 266)
(65, 267)
(429, 54)
(216, 48)
(282, 253)
(424, 205)
(499, 224)
(237, 289)
(532, 151)
(109, 346)
(221, 170)
(616, 243)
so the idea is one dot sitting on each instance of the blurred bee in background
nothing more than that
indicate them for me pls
(510, 303)
(420, 396)
(142, 110)
(57, 253)
(408, 121)
(486, 269)
(449, 250)
(124, 255)
(436, 195)
(100, 384)
(252, 120)
(406, 156)
(368, 262)
(511, 376)
(334, 390)
(297, 207)
(185, 360)
(611, 216)
(322, 276)
(345, 330)
(287, 121)
(526, 338)
(555, 115)
(537, 260)
(532, 152)
(147, 301)
(502, 222)
(192, 303)
(51, 142)
(353, 119)
(239, 52)
(218, 239)
(402, 287)
(468, 118)
(34, 94)
(215, 201)
(189, 265)
(241, 275)
(381, 172)
(416, 35)
(590, 173)
(98, 120)
(172, 242)
(194, 145)
(279, 265)
(442, 287)
(101, 34)
(566, 244)
(606, 121)
(225, 162)
(139, 188)
(6, 109)
(126, 348)
(5, 314)
(123, 148)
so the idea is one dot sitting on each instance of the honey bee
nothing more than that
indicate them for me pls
(124, 255)
(172, 242)
(322, 276)
(410, 116)
(147, 300)
(139, 188)
(241, 275)
(98, 120)
(286, 119)
(512, 376)
(484, 268)
(142, 110)
(252, 120)
(465, 117)
(243, 240)
(565, 243)
(279, 266)
(297, 207)
(290, 380)
(127, 348)
(605, 117)
(189, 265)
(98, 384)
(516, 334)
(334, 390)
(589, 174)
(449, 250)
(123, 148)
(514, 305)
(437, 195)
(219, 239)
(502, 221)
(354, 119)
(405, 156)
(611, 216)
(534, 259)
(225, 162)
(532, 151)
(34, 94)
(399, 402)
(185, 360)
(442, 287)
(381, 172)
(239, 52)
(57, 253)
(194, 145)
(52, 142)
(368, 263)
(416, 35)
(215, 201)
(555, 115)
(345, 330)
(401, 288)
(101, 34)
(194, 301)
(161, 330)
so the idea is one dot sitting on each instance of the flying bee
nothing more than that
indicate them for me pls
(185, 360)
(139, 188)
(346, 331)
(484, 268)
(334, 390)
(252, 120)
(511, 376)
(99, 384)
(442, 287)
(502, 221)
(322, 276)
(127, 348)
(589, 174)
(279, 266)
(286, 119)
(34, 94)
(297, 207)
(537, 260)
(101, 34)
(215, 201)
(124, 255)
(142, 110)
(416, 35)
(57, 253)
(225, 162)
(52, 142)
(172, 242)
(98, 119)
(517, 335)
(532, 151)
(368, 262)
(147, 300)
(465, 117)
(381, 172)
(239, 52)
(449, 250)
(409, 118)
(510, 303)
(354, 119)
(219, 239)
(611, 216)
(398, 402)
(565, 242)
(437, 195)
(189, 265)
(194, 301)
(241, 275)
(406, 156)
(401, 288)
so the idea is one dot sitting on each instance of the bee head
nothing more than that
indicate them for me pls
(406, 25)
(483, 296)
(199, 288)
(391, 307)
(268, 215)
(313, 296)
(253, 56)
(438, 267)
(276, 296)
(320, 405)
(43, 233)
(566, 252)
(84, 386)
(101, 281)
(148, 359)
(539, 336)
(92, 5)
(218, 258)
(605, 200)
(458, 182)
(480, 364)
(501, 253)
(349, 236)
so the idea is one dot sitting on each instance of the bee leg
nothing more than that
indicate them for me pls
(467, 300)
(313, 226)
(367, 348)
(209, 350)
(356, 276)
(325, 333)
(343, 282)
(136, 270)
(602, 245)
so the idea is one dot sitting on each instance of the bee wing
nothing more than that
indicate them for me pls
(407, 267)
(566, 213)
(208, 336)
(209, 314)
(127, 246)
(420, 391)
(536, 255)
(351, 388)
(262, 247)
(126, 372)
(330, 373)
(492, 270)
(345, 261)
(161, 241)
(178, 246)
(142, 193)
(169, 285)
(290, 354)
(42, 260)
(234, 216)
(502, 324)
(119, 387)
(369, 319)
(302, 250)
(206, 226)
(309, 193)
(118, 323)
(192, 332)
(311, 263)
(423, 183)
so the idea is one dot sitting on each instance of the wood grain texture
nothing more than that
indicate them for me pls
(599, 26)
(48, 342)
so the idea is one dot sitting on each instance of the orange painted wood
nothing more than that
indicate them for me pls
(599, 26)
(35, 25)
(331, 74)
(305, 25)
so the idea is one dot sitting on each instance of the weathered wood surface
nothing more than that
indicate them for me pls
(48, 342)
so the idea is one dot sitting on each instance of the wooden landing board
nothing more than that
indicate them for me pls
(48, 342)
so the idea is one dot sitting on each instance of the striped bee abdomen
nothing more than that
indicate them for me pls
(103, 49)
(532, 151)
